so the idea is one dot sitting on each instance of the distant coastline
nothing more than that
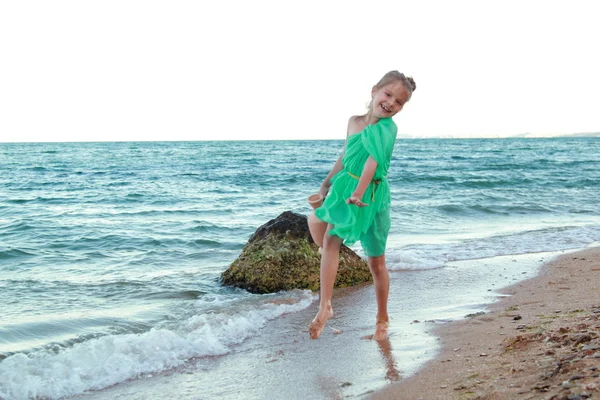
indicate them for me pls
(581, 134)
(526, 135)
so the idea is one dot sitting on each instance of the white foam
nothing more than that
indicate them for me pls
(401, 259)
(108, 360)
(427, 256)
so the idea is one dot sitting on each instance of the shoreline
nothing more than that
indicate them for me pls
(341, 364)
(541, 341)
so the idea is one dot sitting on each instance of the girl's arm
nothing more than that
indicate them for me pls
(363, 183)
(337, 167)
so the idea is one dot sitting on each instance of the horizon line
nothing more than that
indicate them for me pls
(399, 136)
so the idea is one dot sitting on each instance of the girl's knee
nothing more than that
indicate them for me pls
(331, 241)
(377, 265)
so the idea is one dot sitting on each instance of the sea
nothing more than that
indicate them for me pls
(111, 254)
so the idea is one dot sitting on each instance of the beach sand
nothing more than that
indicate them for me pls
(433, 351)
(542, 341)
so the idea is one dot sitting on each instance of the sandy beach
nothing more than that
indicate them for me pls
(541, 341)
(282, 362)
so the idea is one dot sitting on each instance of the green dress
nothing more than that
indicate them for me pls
(369, 224)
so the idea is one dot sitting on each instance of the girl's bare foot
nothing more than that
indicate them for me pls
(316, 326)
(381, 330)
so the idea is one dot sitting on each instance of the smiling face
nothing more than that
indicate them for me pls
(388, 99)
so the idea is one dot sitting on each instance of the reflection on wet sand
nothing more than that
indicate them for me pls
(331, 386)
(385, 347)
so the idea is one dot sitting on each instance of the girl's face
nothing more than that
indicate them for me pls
(388, 100)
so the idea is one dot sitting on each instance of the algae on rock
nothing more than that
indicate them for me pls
(281, 255)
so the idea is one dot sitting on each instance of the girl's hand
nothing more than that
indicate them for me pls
(356, 201)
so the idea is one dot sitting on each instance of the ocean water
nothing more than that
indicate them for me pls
(110, 253)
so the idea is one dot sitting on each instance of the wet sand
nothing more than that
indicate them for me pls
(542, 341)
(280, 361)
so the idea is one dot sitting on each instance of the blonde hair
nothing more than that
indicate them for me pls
(407, 81)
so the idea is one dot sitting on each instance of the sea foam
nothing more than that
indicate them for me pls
(432, 255)
(108, 360)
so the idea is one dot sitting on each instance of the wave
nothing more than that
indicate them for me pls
(40, 199)
(153, 213)
(15, 253)
(149, 288)
(120, 184)
(460, 209)
(493, 183)
(105, 361)
(205, 226)
(421, 178)
(428, 256)
(185, 294)
(215, 243)
(457, 209)
(581, 183)
(100, 246)
(19, 201)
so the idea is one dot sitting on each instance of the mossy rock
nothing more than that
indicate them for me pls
(281, 255)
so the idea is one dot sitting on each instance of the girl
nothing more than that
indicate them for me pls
(358, 204)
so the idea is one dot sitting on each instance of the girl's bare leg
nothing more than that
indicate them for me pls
(381, 278)
(329, 267)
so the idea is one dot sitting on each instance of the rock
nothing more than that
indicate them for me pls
(541, 387)
(567, 385)
(281, 255)
(473, 315)
(591, 347)
(582, 339)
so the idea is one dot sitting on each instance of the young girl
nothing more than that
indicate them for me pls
(358, 204)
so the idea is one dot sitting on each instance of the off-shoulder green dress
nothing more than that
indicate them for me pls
(369, 224)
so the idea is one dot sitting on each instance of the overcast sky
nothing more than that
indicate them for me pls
(215, 70)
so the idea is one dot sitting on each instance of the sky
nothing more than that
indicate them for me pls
(244, 70)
